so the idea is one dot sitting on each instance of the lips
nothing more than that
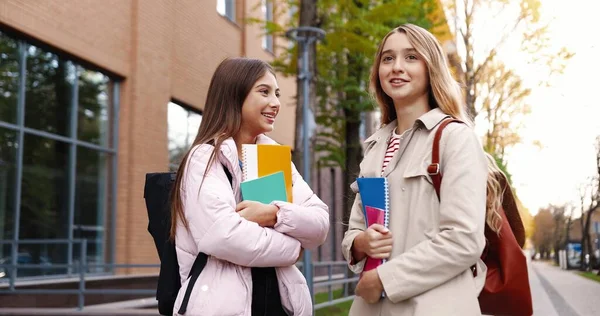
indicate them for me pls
(270, 117)
(398, 81)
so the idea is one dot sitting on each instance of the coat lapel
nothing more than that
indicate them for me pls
(376, 146)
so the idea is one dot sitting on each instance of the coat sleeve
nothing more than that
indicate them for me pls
(307, 219)
(356, 225)
(216, 227)
(460, 240)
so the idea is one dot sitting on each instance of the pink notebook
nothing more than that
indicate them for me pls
(374, 216)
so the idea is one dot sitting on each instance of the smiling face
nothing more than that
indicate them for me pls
(402, 71)
(261, 106)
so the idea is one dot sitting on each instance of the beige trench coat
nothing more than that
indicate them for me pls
(434, 243)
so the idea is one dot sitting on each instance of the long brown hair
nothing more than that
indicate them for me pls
(444, 92)
(221, 119)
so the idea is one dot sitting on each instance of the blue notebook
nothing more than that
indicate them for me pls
(375, 197)
(374, 192)
(265, 189)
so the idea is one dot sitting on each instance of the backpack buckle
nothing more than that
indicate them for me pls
(433, 169)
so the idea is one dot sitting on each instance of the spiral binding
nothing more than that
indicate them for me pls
(386, 216)
(244, 164)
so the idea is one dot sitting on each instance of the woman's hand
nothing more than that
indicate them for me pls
(265, 215)
(375, 242)
(369, 287)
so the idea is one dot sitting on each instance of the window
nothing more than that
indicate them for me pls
(267, 10)
(183, 124)
(57, 159)
(226, 8)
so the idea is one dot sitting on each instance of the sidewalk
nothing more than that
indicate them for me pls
(561, 292)
(542, 304)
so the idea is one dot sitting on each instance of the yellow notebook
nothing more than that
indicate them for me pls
(263, 160)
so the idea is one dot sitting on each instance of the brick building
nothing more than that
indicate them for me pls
(93, 95)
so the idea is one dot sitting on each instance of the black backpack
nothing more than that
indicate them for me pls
(157, 193)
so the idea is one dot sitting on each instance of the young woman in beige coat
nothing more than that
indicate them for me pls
(431, 244)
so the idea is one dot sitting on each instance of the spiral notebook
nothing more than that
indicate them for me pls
(265, 189)
(263, 160)
(374, 194)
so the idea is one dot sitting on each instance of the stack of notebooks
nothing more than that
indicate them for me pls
(267, 173)
(374, 194)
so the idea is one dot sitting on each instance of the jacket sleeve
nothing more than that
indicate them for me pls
(356, 225)
(307, 219)
(216, 227)
(460, 240)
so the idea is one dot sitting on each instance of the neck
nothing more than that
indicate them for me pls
(243, 138)
(409, 112)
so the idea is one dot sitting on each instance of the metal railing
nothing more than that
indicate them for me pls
(329, 280)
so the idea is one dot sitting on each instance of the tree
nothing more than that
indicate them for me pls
(353, 29)
(483, 75)
(503, 97)
(593, 192)
(543, 233)
(526, 217)
(307, 17)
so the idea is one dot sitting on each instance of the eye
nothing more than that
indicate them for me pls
(411, 57)
(265, 92)
(277, 94)
(387, 58)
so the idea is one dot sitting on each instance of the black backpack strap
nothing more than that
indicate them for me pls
(197, 268)
(198, 265)
(229, 176)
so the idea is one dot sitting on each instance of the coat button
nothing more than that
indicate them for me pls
(204, 288)
(403, 189)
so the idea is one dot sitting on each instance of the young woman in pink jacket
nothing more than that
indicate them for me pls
(431, 243)
(252, 247)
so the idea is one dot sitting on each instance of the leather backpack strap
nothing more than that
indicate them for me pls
(434, 169)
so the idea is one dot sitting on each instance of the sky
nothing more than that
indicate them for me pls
(565, 117)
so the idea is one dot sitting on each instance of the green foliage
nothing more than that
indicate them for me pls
(503, 167)
(344, 59)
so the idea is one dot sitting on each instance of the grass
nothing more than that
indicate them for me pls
(341, 309)
(590, 275)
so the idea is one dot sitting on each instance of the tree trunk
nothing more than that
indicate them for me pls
(583, 241)
(308, 17)
(586, 243)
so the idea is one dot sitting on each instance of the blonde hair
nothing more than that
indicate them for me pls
(495, 193)
(444, 92)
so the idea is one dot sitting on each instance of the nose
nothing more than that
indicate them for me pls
(275, 104)
(398, 65)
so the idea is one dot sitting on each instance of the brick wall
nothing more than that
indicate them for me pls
(163, 50)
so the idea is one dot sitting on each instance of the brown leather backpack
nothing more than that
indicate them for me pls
(506, 290)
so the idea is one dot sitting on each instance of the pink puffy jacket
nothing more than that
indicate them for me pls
(234, 244)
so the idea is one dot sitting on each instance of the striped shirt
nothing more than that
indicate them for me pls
(392, 148)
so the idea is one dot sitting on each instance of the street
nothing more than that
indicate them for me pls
(559, 292)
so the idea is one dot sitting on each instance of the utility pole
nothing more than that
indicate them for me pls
(306, 36)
